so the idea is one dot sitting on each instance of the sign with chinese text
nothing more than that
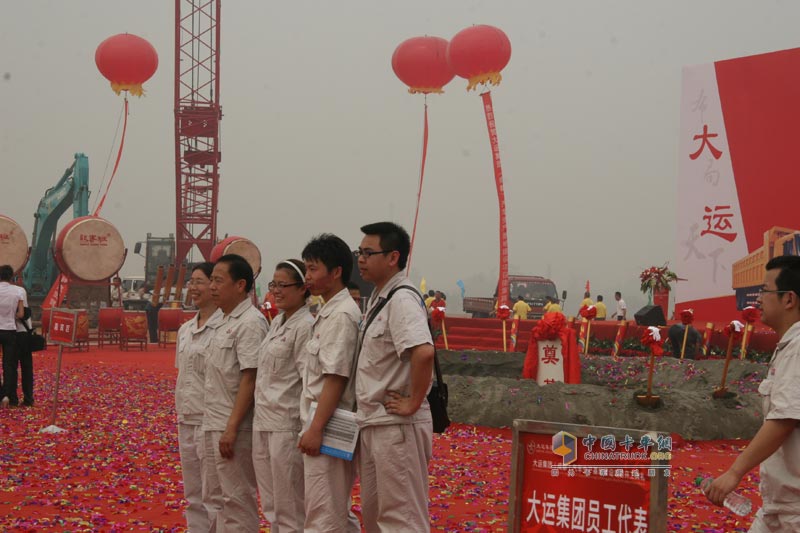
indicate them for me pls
(551, 363)
(567, 477)
(63, 326)
(737, 166)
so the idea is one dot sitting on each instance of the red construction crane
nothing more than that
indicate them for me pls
(197, 118)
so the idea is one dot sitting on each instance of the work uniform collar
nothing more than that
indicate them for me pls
(334, 302)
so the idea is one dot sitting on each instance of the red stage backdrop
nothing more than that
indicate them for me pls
(736, 179)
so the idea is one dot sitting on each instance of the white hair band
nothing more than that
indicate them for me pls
(295, 267)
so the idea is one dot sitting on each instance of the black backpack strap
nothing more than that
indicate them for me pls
(437, 368)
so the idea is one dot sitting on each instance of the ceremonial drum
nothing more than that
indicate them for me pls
(13, 244)
(239, 246)
(89, 249)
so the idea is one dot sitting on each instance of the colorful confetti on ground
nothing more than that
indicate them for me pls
(117, 469)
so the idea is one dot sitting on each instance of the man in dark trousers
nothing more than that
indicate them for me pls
(11, 309)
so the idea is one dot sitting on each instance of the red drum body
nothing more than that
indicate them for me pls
(89, 249)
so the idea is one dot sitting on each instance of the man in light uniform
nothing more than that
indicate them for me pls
(330, 351)
(229, 387)
(776, 446)
(393, 378)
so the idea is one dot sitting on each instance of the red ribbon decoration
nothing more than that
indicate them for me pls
(730, 330)
(649, 341)
(437, 313)
(502, 286)
(553, 326)
(116, 163)
(503, 313)
(687, 317)
(589, 312)
(419, 192)
(750, 314)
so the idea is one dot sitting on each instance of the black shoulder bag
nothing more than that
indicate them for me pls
(437, 397)
(37, 342)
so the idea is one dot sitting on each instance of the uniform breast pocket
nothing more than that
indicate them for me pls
(378, 332)
(765, 390)
(312, 352)
(281, 354)
(222, 352)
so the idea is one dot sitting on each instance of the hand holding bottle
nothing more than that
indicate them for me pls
(734, 501)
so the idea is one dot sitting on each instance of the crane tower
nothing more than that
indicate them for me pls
(197, 120)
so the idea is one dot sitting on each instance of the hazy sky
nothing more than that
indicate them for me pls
(319, 135)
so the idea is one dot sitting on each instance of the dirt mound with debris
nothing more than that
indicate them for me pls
(486, 389)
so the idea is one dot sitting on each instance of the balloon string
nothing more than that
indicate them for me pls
(116, 163)
(421, 176)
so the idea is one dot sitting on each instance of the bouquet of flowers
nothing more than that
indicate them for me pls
(657, 278)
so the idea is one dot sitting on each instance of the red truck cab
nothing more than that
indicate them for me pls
(534, 290)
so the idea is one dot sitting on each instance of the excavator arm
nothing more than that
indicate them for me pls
(72, 189)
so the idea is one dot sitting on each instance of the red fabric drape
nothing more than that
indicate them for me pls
(569, 351)
(502, 289)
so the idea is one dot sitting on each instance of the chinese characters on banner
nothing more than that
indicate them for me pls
(710, 230)
(608, 483)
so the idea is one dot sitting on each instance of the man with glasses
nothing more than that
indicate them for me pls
(776, 446)
(393, 378)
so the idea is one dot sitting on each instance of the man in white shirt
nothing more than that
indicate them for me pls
(24, 354)
(11, 308)
(622, 308)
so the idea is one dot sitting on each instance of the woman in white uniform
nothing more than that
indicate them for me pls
(192, 346)
(279, 384)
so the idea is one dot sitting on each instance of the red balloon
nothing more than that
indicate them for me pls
(421, 63)
(478, 54)
(127, 61)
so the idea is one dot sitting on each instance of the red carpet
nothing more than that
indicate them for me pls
(117, 467)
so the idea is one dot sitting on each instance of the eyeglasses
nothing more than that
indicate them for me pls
(281, 285)
(370, 253)
(767, 291)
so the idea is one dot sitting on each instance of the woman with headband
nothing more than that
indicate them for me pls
(279, 384)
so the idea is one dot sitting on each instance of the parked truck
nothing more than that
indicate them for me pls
(534, 289)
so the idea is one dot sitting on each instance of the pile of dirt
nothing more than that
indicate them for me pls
(486, 389)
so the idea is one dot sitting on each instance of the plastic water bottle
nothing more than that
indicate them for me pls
(735, 502)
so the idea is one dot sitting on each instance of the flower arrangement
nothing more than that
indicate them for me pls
(657, 278)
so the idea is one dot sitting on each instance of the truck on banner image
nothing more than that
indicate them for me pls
(534, 289)
(748, 272)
